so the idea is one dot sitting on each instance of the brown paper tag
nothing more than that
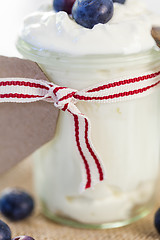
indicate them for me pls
(24, 127)
(156, 35)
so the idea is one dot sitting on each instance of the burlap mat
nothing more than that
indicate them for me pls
(41, 228)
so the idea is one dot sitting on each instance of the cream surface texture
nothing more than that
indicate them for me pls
(127, 32)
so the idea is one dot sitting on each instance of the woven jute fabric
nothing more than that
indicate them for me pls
(40, 228)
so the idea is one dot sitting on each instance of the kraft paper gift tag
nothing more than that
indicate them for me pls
(24, 127)
(156, 35)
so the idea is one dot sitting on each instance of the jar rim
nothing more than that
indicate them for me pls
(41, 55)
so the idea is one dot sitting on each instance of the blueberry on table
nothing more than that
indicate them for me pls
(157, 220)
(91, 12)
(5, 232)
(23, 238)
(16, 204)
(63, 5)
(119, 1)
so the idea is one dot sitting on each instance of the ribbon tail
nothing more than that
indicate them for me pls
(93, 153)
(20, 90)
(92, 170)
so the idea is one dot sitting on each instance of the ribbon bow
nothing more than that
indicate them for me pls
(21, 90)
(65, 99)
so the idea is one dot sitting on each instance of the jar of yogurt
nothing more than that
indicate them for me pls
(125, 134)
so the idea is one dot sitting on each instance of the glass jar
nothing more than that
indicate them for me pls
(125, 134)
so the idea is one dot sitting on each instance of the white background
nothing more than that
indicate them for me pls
(12, 13)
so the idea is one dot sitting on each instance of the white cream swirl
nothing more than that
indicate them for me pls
(129, 31)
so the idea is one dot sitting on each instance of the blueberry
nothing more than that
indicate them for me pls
(16, 204)
(119, 1)
(157, 220)
(63, 5)
(5, 232)
(23, 238)
(91, 12)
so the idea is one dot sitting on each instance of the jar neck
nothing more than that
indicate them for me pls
(80, 72)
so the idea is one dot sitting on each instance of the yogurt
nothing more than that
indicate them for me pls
(124, 134)
(126, 33)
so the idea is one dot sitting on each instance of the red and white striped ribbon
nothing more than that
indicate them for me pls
(22, 90)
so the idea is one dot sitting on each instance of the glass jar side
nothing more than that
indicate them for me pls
(126, 136)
